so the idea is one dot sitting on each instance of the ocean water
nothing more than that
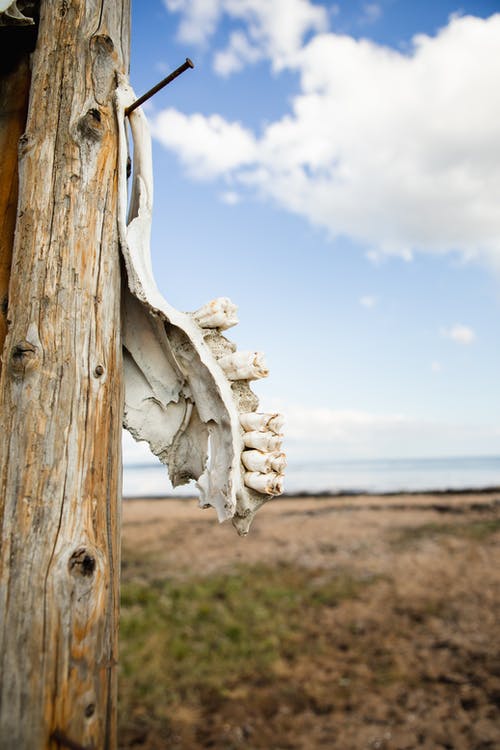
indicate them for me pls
(375, 475)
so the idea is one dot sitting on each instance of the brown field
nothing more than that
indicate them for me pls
(343, 623)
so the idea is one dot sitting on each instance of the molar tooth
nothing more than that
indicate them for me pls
(276, 423)
(255, 460)
(244, 366)
(266, 484)
(262, 441)
(262, 422)
(219, 313)
(278, 462)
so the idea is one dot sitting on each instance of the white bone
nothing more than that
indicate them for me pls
(262, 422)
(266, 484)
(254, 460)
(180, 366)
(219, 313)
(244, 366)
(278, 462)
(262, 441)
(193, 424)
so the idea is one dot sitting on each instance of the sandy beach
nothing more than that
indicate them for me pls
(405, 655)
(345, 530)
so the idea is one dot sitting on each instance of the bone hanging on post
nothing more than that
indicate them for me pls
(172, 76)
(188, 357)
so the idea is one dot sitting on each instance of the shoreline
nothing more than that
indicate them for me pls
(340, 494)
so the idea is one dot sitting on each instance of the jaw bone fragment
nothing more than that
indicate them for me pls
(179, 397)
(220, 313)
(262, 422)
(268, 484)
(244, 366)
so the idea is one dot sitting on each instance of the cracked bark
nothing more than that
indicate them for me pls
(61, 394)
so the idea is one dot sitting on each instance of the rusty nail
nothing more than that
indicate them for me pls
(165, 82)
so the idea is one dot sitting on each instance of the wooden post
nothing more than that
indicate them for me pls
(61, 394)
(15, 46)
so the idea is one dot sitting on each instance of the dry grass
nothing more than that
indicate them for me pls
(356, 627)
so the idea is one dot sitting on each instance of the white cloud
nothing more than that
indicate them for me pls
(230, 198)
(273, 29)
(350, 426)
(208, 146)
(460, 333)
(199, 18)
(368, 301)
(400, 152)
(320, 433)
(372, 12)
(238, 52)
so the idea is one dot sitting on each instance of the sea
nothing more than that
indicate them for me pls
(351, 476)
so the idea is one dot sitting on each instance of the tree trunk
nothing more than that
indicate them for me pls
(61, 394)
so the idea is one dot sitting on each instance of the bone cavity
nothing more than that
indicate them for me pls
(254, 460)
(219, 313)
(262, 441)
(262, 422)
(266, 484)
(244, 366)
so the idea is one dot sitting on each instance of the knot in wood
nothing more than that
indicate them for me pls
(23, 357)
(90, 126)
(102, 44)
(82, 563)
(24, 145)
(90, 710)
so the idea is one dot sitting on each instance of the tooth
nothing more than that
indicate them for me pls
(262, 422)
(266, 484)
(276, 423)
(262, 441)
(244, 366)
(278, 462)
(254, 460)
(219, 313)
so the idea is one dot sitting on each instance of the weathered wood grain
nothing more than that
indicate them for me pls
(61, 394)
(14, 91)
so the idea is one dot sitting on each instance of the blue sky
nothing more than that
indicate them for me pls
(334, 170)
